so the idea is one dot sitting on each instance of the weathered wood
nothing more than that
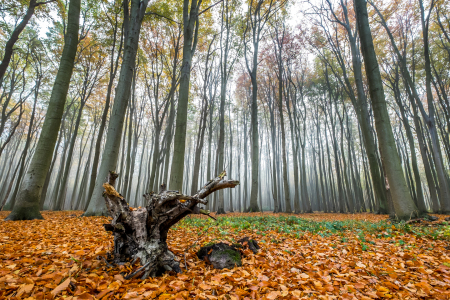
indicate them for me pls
(141, 233)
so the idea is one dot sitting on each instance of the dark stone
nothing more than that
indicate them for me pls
(252, 244)
(432, 218)
(447, 219)
(203, 252)
(237, 246)
(220, 255)
(227, 258)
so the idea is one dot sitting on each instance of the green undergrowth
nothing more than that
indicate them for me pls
(295, 226)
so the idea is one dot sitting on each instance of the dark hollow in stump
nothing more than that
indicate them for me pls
(142, 233)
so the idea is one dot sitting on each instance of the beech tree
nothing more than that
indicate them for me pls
(279, 98)
(258, 14)
(133, 17)
(227, 61)
(404, 206)
(27, 203)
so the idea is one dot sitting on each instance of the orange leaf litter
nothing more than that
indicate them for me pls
(58, 258)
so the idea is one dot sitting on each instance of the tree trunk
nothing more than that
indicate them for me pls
(121, 158)
(287, 198)
(294, 146)
(12, 180)
(11, 159)
(245, 197)
(27, 206)
(61, 195)
(130, 137)
(253, 207)
(230, 156)
(362, 112)
(413, 95)
(112, 75)
(418, 182)
(274, 168)
(84, 181)
(403, 204)
(190, 29)
(50, 171)
(430, 121)
(80, 159)
(25, 150)
(132, 28)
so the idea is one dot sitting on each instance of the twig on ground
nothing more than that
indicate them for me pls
(129, 276)
(106, 262)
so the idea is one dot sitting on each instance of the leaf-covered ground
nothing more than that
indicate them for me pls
(313, 256)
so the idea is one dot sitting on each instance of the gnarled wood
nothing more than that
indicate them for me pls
(142, 233)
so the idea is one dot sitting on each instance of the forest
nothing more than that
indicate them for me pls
(294, 123)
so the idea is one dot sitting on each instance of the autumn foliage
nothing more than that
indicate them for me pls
(313, 256)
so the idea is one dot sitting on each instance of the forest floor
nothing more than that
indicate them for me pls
(307, 256)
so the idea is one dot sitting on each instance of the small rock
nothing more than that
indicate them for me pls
(228, 258)
(252, 244)
(432, 218)
(220, 255)
(447, 219)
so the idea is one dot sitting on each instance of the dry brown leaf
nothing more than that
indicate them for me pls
(273, 295)
(310, 266)
(62, 287)
(204, 286)
(25, 289)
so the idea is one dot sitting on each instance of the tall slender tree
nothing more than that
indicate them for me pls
(133, 17)
(190, 31)
(226, 65)
(27, 203)
(258, 14)
(404, 206)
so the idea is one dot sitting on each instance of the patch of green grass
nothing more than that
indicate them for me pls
(284, 224)
(364, 247)
(296, 226)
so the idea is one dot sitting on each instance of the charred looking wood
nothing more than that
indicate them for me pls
(141, 233)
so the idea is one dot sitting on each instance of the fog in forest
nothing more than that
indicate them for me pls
(307, 108)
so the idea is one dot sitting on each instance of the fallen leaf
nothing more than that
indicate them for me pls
(24, 289)
(204, 286)
(62, 287)
(273, 295)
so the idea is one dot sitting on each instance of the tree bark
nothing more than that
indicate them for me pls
(403, 204)
(132, 28)
(27, 206)
(430, 121)
(190, 28)
(112, 75)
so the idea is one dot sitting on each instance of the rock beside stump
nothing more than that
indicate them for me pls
(222, 255)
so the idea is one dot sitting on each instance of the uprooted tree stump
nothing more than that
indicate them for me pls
(142, 233)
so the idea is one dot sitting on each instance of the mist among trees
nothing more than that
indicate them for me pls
(330, 106)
